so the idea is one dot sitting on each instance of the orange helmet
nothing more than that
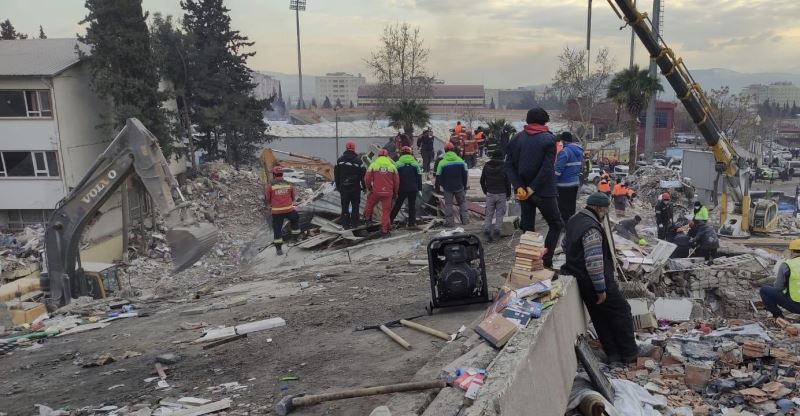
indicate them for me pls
(383, 152)
(277, 171)
(406, 150)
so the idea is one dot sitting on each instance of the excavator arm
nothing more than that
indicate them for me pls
(733, 169)
(134, 151)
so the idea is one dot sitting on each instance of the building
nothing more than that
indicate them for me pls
(664, 126)
(339, 85)
(442, 95)
(266, 86)
(505, 99)
(778, 92)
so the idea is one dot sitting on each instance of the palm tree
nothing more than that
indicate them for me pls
(406, 114)
(632, 88)
(495, 127)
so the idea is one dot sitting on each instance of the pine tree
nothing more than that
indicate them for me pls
(352, 105)
(314, 102)
(122, 65)
(338, 103)
(8, 32)
(491, 105)
(41, 33)
(326, 103)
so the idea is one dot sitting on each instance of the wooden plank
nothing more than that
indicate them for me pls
(222, 341)
(160, 371)
(204, 409)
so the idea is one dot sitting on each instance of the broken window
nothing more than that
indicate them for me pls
(18, 219)
(31, 103)
(21, 164)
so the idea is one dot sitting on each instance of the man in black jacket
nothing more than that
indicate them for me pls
(495, 184)
(664, 216)
(425, 145)
(589, 260)
(530, 168)
(410, 184)
(349, 178)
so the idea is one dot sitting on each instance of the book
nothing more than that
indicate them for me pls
(519, 318)
(496, 330)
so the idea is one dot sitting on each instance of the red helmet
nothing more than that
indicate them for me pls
(383, 152)
(406, 150)
(679, 230)
(665, 196)
(277, 171)
(350, 146)
(449, 146)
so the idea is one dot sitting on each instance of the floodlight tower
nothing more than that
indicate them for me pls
(297, 6)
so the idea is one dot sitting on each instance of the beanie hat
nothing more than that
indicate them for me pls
(566, 137)
(497, 154)
(537, 115)
(598, 199)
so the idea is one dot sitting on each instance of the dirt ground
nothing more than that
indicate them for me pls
(318, 344)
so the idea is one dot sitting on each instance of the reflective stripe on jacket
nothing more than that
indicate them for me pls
(280, 196)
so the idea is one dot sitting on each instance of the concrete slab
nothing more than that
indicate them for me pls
(673, 309)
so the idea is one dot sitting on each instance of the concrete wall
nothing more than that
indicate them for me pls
(533, 374)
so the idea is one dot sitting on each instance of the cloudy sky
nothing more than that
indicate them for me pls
(501, 43)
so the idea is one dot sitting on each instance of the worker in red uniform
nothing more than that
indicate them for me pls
(383, 183)
(455, 140)
(279, 196)
(470, 149)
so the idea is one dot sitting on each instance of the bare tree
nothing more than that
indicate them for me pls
(400, 64)
(470, 115)
(573, 82)
(734, 114)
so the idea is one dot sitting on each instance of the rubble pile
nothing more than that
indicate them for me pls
(733, 367)
(20, 252)
(652, 181)
(788, 225)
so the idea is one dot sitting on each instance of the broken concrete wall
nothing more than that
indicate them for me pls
(533, 374)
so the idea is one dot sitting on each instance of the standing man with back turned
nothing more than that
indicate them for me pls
(349, 177)
(569, 163)
(530, 167)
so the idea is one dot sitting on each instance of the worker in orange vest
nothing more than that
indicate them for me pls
(458, 129)
(470, 149)
(480, 138)
(620, 196)
(604, 186)
(455, 140)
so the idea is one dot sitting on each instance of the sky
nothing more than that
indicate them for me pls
(497, 43)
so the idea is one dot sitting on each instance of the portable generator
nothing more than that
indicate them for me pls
(457, 271)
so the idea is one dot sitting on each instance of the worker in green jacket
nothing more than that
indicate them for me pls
(785, 293)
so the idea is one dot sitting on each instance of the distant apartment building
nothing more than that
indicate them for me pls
(505, 99)
(778, 92)
(339, 85)
(266, 86)
(442, 95)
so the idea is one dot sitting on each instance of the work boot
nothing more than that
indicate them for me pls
(644, 351)
(488, 236)
(496, 234)
(278, 250)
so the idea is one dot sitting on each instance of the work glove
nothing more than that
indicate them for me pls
(601, 297)
(524, 193)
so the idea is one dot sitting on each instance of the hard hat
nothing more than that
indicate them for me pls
(794, 245)
(665, 196)
(277, 171)
(350, 146)
(642, 242)
(405, 149)
(679, 230)
(383, 152)
(449, 146)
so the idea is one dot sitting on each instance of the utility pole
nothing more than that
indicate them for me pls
(297, 6)
(650, 122)
(633, 39)
(589, 102)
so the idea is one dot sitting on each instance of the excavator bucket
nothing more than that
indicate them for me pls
(189, 243)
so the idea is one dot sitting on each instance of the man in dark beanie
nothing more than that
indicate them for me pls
(530, 167)
(569, 163)
(590, 261)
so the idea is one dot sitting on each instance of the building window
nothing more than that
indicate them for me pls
(18, 219)
(661, 119)
(20, 103)
(25, 164)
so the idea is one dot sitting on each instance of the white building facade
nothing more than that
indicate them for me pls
(339, 85)
(778, 92)
(266, 86)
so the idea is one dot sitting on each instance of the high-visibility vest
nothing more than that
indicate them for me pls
(603, 186)
(793, 287)
(619, 190)
(457, 129)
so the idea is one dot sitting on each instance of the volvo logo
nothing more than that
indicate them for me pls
(98, 188)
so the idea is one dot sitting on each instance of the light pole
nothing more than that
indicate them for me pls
(336, 112)
(297, 6)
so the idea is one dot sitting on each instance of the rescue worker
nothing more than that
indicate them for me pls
(505, 137)
(458, 129)
(391, 148)
(349, 179)
(279, 196)
(568, 175)
(785, 293)
(408, 171)
(604, 186)
(455, 140)
(620, 195)
(705, 240)
(627, 229)
(683, 242)
(480, 140)
(425, 146)
(470, 150)
(700, 210)
(492, 144)
(664, 213)
(451, 176)
(497, 188)
(530, 166)
(382, 184)
(589, 258)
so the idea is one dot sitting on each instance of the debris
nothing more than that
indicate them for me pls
(675, 310)
(168, 358)
(84, 328)
(193, 325)
(222, 341)
(241, 329)
(204, 409)
(193, 401)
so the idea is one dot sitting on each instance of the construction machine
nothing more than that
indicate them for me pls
(733, 169)
(134, 151)
(300, 162)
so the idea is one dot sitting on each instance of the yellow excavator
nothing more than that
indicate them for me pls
(134, 151)
(735, 172)
(297, 161)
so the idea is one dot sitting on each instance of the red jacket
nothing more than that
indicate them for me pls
(280, 195)
(382, 178)
(470, 147)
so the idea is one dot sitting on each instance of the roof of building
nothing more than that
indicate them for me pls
(438, 91)
(38, 57)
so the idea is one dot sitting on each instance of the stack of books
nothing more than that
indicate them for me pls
(528, 265)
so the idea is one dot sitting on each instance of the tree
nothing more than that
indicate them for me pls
(469, 115)
(491, 105)
(405, 114)
(495, 127)
(122, 65)
(572, 81)
(632, 88)
(41, 33)
(339, 103)
(7, 31)
(352, 105)
(230, 120)
(733, 113)
(327, 103)
(400, 65)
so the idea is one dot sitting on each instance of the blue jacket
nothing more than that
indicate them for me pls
(451, 173)
(409, 172)
(530, 161)
(569, 163)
